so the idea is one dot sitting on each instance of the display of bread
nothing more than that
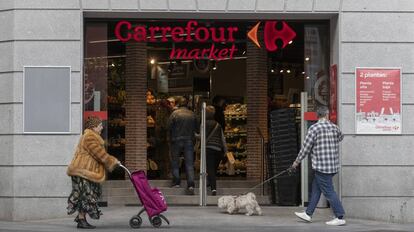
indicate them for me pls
(150, 121)
(236, 109)
(150, 98)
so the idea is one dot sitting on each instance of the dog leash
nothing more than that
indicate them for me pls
(290, 170)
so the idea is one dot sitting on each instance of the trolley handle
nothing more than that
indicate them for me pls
(125, 168)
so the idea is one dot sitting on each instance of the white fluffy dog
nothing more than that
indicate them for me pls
(232, 204)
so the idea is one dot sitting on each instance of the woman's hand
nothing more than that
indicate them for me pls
(224, 159)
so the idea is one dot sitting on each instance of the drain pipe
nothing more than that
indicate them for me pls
(203, 173)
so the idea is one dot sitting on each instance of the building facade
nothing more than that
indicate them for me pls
(375, 181)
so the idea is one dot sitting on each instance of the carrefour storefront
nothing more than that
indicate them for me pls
(258, 68)
(126, 62)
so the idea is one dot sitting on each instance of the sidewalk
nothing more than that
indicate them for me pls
(275, 219)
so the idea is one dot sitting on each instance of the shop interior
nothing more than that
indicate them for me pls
(290, 72)
(198, 80)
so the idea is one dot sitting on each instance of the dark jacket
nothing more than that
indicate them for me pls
(219, 116)
(182, 124)
(216, 141)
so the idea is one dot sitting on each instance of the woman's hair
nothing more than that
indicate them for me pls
(92, 122)
(219, 101)
(210, 111)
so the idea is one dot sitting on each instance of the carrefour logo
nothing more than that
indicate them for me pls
(271, 34)
(195, 32)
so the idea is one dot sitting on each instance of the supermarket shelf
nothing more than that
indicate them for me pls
(236, 117)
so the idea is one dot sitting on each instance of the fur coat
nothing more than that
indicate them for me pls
(90, 159)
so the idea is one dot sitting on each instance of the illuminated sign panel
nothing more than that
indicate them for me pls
(193, 32)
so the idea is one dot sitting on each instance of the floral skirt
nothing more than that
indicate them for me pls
(84, 197)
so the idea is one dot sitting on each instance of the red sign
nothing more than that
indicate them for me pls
(333, 99)
(103, 115)
(271, 34)
(310, 116)
(378, 101)
(192, 32)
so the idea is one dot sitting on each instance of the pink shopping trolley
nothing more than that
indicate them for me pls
(152, 200)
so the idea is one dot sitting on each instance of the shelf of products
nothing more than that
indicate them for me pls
(236, 138)
(152, 166)
(236, 117)
(116, 129)
(116, 115)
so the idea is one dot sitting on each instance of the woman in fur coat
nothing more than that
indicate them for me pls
(88, 170)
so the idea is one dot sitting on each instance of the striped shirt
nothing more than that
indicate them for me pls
(322, 144)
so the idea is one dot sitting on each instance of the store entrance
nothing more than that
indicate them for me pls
(300, 67)
(220, 83)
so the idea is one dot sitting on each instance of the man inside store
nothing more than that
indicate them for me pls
(173, 106)
(182, 125)
(322, 144)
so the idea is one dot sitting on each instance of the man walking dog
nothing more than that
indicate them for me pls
(322, 144)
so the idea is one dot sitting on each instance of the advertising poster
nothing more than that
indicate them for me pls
(378, 101)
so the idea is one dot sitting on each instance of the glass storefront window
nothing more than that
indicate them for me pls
(104, 87)
(301, 66)
(316, 62)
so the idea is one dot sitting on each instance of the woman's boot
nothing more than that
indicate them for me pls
(83, 224)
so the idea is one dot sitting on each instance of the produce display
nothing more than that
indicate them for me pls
(235, 133)
(116, 98)
(236, 110)
(153, 170)
(236, 139)
(150, 98)
(150, 121)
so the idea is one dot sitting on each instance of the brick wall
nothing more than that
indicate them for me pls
(256, 107)
(136, 106)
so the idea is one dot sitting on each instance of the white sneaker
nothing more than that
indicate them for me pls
(336, 222)
(303, 216)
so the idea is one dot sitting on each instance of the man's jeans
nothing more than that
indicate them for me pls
(187, 147)
(322, 183)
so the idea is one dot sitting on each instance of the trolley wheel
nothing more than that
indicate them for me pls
(156, 221)
(135, 222)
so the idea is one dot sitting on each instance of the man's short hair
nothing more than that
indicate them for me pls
(322, 111)
(182, 101)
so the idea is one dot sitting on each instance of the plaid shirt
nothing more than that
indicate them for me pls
(322, 143)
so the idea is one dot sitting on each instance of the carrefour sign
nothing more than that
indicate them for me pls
(193, 32)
